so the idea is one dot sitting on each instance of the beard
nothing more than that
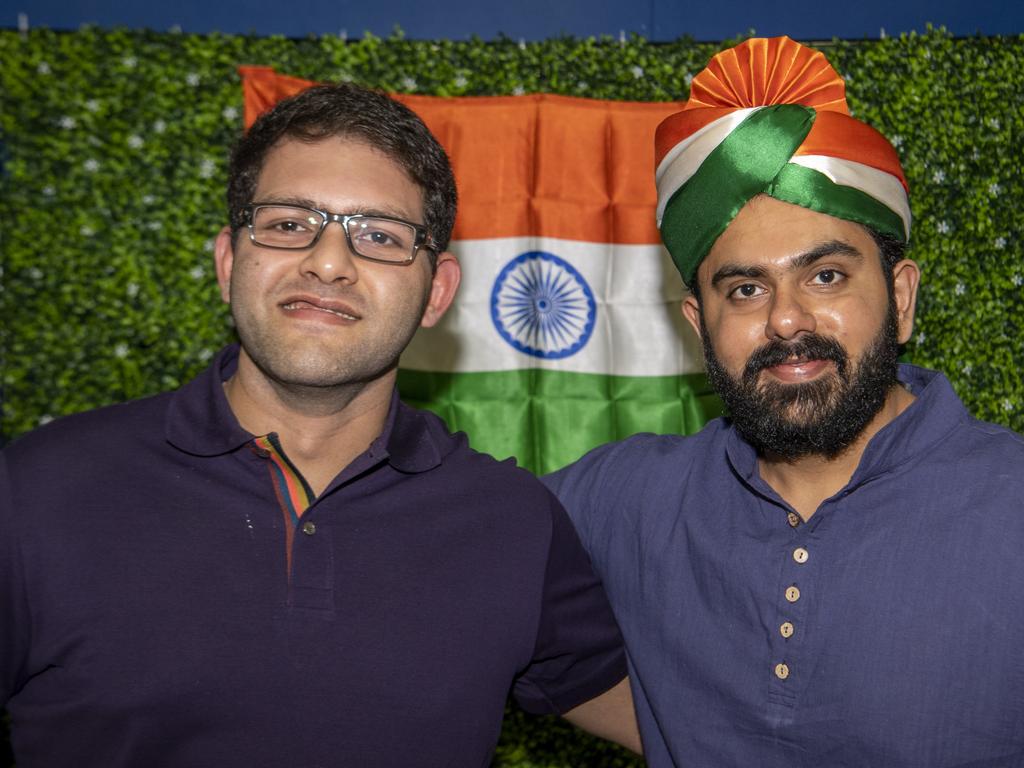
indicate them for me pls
(823, 417)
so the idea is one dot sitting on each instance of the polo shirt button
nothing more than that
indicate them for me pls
(786, 629)
(792, 594)
(781, 671)
(309, 527)
(793, 518)
(800, 555)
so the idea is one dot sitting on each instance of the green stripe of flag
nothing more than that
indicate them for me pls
(547, 419)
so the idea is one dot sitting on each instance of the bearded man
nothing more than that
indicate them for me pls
(832, 575)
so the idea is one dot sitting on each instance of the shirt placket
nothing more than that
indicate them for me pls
(794, 593)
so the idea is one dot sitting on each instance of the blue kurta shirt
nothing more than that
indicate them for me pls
(886, 631)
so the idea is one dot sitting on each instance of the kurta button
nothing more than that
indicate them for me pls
(309, 527)
(786, 629)
(781, 671)
(800, 555)
(792, 594)
(793, 518)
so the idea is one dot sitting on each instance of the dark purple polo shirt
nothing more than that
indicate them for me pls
(886, 632)
(147, 617)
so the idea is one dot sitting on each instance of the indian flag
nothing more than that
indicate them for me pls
(566, 332)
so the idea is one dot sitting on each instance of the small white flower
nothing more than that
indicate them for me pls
(135, 141)
(35, 273)
(582, 85)
(1017, 280)
(86, 231)
(229, 113)
(49, 191)
(208, 246)
(409, 83)
(920, 338)
(897, 141)
(205, 354)
(637, 71)
(93, 105)
(43, 68)
(1000, 243)
(192, 78)
(207, 168)
(67, 122)
(197, 273)
(939, 176)
(943, 228)
(159, 126)
(345, 77)
(967, 369)
(92, 165)
(121, 350)
(688, 79)
(129, 62)
(994, 189)
(993, 123)
(154, 226)
(148, 199)
(461, 81)
(45, 419)
(522, 44)
(174, 29)
(518, 90)
(1007, 405)
(960, 289)
(132, 289)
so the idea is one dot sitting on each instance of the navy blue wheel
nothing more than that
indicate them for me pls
(542, 306)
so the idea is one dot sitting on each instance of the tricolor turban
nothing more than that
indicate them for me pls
(769, 117)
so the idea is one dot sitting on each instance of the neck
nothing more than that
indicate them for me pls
(322, 429)
(806, 482)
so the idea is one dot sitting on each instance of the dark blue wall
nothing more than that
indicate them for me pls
(532, 19)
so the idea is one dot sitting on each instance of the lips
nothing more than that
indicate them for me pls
(798, 357)
(313, 305)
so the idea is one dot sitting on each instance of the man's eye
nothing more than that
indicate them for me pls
(828, 277)
(746, 291)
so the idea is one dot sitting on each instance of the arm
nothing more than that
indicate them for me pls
(610, 716)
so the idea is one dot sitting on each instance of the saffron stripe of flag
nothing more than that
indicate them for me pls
(566, 332)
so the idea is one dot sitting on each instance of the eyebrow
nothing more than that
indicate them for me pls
(804, 260)
(305, 202)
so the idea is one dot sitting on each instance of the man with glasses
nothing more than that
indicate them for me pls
(280, 563)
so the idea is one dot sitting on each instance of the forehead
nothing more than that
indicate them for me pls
(768, 232)
(338, 173)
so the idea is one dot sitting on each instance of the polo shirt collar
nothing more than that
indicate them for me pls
(933, 414)
(200, 422)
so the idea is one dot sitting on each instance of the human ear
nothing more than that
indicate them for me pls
(224, 260)
(691, 311)
(443, 285)
(906, 276)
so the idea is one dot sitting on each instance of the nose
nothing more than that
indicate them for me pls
(330, 259)
(788, 316)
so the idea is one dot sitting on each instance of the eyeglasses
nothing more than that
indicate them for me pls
(377, 238)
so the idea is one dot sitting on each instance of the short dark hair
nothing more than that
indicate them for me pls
(349, 111)
(891, 251)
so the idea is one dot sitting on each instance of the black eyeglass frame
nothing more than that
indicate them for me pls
(423, 239)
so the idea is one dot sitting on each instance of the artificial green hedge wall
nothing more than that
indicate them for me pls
(114, 145)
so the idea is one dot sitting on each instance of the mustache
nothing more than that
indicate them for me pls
(809, 347)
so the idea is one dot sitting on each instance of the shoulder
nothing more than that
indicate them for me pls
(639, 457)
(642, 477)
(99, 434)
(472, 475)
